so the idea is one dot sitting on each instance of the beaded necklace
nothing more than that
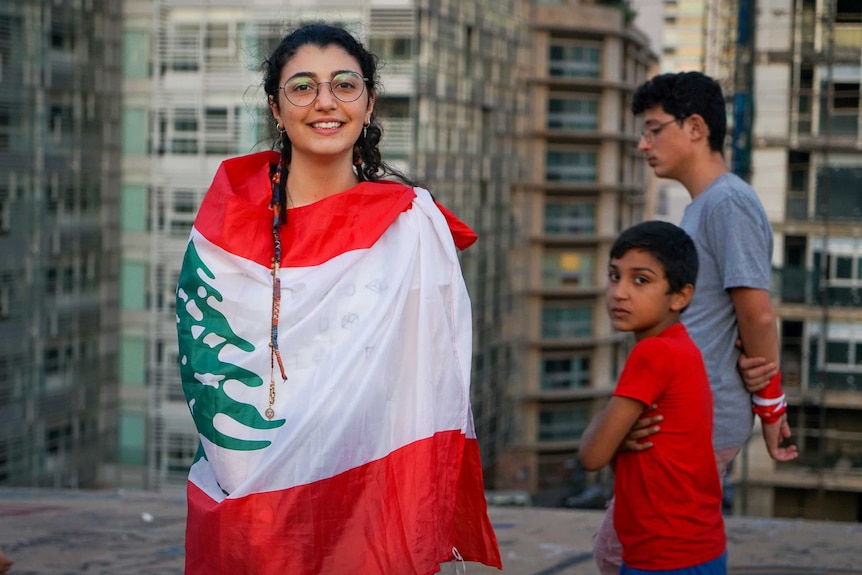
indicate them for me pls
(277, 205)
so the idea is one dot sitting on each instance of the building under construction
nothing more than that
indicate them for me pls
(791, 71)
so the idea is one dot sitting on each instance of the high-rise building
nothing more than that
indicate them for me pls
(59, 242)
(584, 181)
(192, 97)
(806, 158)
(697, 35)
(804, 144)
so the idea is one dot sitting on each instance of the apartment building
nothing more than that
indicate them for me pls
(193, 97)
(584, 182)
(806, 160)
(59, 241)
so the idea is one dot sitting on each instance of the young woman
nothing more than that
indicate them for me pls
(325, 342)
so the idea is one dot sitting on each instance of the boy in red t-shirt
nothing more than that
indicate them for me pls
(668, 498)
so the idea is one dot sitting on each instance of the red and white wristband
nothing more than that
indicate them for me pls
(769, 403)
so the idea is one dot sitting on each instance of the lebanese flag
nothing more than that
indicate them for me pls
(371, 463)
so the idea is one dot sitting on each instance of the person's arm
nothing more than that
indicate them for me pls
(756, 371)
(607, 431)
(758, 333)
(647, 425)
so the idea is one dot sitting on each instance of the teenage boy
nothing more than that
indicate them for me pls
(668, 498)
(685, 123)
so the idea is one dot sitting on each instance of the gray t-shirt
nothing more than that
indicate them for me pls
(734, 245)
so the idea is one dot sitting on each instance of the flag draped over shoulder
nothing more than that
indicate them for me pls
(371, 463)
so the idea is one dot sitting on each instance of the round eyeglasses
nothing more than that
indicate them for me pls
(345, 86)
(650, 133)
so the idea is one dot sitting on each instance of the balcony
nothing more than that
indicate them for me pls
(805, 286)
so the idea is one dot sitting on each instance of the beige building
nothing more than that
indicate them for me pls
(582, 184)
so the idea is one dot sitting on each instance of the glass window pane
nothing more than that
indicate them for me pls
(562, 424)
(570, 218)
(133, 208)
(132, 437)
(838, 352)
(134, 131)
(567, 269)
(567, 322)
(843, 267)
(574, 60)
(565, 373)
(136, 54)
(570, 166)
(133, 354)
(573, 113)
(133, 283)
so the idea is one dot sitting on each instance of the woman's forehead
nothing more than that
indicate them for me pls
(320, 62)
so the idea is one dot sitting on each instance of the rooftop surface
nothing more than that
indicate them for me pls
(49, 532)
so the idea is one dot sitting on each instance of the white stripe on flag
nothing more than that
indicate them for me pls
(376, 345)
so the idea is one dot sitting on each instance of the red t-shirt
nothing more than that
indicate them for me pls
(668, 498)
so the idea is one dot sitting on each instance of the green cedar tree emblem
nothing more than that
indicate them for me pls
(203, 332)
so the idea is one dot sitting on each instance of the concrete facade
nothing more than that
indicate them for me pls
(584, 182)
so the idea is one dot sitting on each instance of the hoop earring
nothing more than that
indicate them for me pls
(279, 129)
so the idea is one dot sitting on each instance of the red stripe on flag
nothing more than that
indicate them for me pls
(462, 234)
(400, 514)
(235, 215)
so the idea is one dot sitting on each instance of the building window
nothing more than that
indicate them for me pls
(573, 113)
(570, 218)
(220, 44)
(5, 301)
(841, 269)
(839, 114)
(567, 322)
(5, 215)
(134, 214)
(180, 453)
(563, 424)
(573, 59)
(798, 165)
(185, 127)
(133, 361)
(836, 358)
(132, 435)
(133, 285)
(391, 49)
(136, 54)
(134, 131)
(221, 130)
(571, 372)
(570, 268)
(847, 31)
(839, 192)
(570, 166)
(184, 53)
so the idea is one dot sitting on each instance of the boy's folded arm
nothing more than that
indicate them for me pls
(607, 431)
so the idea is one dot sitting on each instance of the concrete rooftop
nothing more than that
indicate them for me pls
(49, 532)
